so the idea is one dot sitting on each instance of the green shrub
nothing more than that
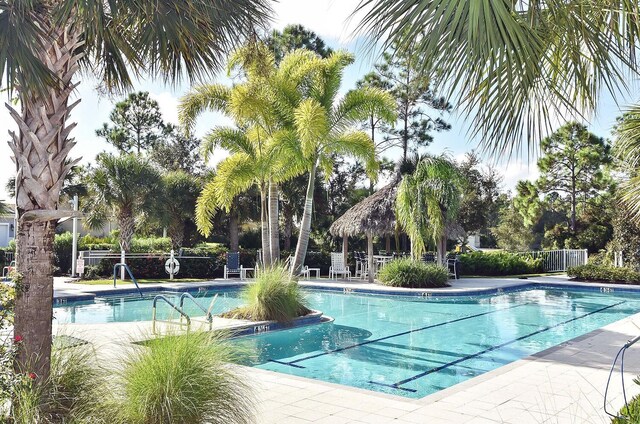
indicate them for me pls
(631, 415)
(151, 245)
(413, 274)
(604, 273)
(72, 393)
(62, 248)
(273, 296)
(182, 379)
(499, 263)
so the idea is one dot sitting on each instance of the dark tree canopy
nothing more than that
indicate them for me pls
(480, 205)
(296, 37)
(175, 151)
(572, 164)
(399, 72)
(136, 124)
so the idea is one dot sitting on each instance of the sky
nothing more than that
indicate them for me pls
(330, 20)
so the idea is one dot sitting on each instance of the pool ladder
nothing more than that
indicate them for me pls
(208, 318)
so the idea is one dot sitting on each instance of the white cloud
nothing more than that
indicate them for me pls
(328, 19)
(168, 105)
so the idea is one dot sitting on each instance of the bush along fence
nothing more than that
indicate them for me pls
(559, 260)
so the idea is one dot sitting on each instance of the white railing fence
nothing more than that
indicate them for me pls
(559, 260)
(93, 257)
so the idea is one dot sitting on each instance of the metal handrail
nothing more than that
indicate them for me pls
(620, 354)
(126, 267)
(187, 295)
(173, 306)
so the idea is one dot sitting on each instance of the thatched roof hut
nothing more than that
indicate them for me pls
(374, 215)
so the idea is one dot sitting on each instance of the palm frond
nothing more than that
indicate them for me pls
(21, 35)
(358, 145)
(202, 98)
(312, 124)
(227, 138)
(358, 105)
(515, 67)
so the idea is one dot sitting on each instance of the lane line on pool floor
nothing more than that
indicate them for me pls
(482, 352)
(404, 333)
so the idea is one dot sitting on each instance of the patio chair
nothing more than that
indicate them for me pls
(233, 266)
(452, 266)
(362, 264)
(429, 258)
(338, 267)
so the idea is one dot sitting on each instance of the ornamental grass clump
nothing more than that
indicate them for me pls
(274, 296)
(413, 274)
(73, 392)
(182, 379)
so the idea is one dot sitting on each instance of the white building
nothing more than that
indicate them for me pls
(7, 229)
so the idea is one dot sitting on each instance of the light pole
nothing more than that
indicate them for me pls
(74, 244)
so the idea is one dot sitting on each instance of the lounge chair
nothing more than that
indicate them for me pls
(233, 266)
(338, 267)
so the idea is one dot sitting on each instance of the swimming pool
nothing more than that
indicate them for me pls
(414, 346)
(130, 307)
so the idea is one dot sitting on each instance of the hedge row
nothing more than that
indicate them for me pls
(604, 273)
(499, 263)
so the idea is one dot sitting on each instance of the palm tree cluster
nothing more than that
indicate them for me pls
(44, 46)
(288, 121)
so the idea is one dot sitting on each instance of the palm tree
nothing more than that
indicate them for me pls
(44, 45)
(428, 201)
(515, 67)
(125, 187)
(324, 127)
(180, 192)
(261, 144)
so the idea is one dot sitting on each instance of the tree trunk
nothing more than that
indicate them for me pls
(305, 225)
(234, 239)
(573, 204)
(34, 295)
(274, 223)
(441, 247)
(370, 258)
(288, 228)
(176, 234)
(127, 225)
(40, 151)
(264, 220)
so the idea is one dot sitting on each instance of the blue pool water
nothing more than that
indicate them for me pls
(409, 346)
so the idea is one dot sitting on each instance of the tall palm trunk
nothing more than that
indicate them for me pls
(40, 151)
(264, 221)
(127, 225)
(288, 227)
(234, 239)
(274, 224)
(176, 234)
(305, 225)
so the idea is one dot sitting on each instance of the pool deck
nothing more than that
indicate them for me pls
(564, 384)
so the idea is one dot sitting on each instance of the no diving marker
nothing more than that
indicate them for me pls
(172, 266)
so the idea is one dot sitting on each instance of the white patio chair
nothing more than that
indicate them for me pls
(338, 267)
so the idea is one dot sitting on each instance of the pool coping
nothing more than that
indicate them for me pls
(81, 294)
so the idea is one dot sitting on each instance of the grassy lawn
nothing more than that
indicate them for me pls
(141, 281)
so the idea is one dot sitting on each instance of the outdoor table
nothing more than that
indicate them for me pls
(380, 260)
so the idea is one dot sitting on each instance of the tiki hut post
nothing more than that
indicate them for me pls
(370, 252)
(345, 247)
